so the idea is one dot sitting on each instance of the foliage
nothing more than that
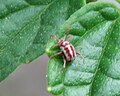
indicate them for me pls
(25, 27)
(118, 0)
(99, 27)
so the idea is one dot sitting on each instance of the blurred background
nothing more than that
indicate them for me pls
(29, 79)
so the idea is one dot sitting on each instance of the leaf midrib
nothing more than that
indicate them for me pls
(99, 60)
(33, 19)
(76, 45)
(26, 6)
(101, 54)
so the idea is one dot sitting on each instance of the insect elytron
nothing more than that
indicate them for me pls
(67, 49)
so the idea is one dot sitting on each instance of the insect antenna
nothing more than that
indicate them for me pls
(52, 36)
(67, 30)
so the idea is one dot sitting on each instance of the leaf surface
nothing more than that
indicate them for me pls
(98, 25)
(25, 26)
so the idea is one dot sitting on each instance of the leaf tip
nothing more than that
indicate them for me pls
(49, 89)
(48, 51)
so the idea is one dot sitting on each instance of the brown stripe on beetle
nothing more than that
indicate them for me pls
(72, 51)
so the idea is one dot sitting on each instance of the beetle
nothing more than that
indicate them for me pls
(67, 50)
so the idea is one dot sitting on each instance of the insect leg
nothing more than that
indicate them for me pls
(55, 45)
(79, 47)
(64, 65)
(56, 54)
(81, 57)
(52, 36)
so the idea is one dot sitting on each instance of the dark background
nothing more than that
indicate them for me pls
(27, 80)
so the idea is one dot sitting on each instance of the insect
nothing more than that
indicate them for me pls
(67, 50)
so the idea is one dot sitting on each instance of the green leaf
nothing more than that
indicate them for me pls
(25, 26)
(51, 19)
(118, 1)
(99, 75)
(90, 1)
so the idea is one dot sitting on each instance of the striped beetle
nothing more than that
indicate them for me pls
(67, 50)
